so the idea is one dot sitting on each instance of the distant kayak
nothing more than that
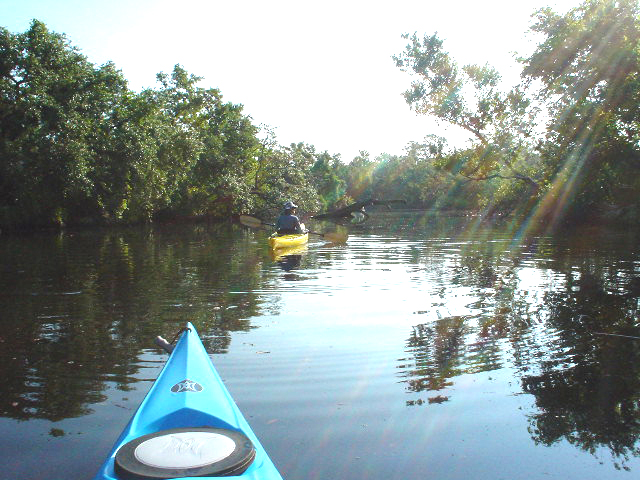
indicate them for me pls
(188, 426)
(277, 242)
(285, 241)
(288, 241)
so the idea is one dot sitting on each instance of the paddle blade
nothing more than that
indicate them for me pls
(335, 237)
(250, 221)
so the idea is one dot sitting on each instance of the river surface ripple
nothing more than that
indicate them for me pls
(425, 347)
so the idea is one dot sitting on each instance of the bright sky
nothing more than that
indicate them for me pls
(318, 72)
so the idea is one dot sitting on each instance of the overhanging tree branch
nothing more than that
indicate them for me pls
(528, 180)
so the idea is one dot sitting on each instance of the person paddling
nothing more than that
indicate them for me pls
(288, 223)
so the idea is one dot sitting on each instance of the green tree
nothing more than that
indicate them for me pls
(359, 176)
(588, 64)
(470, 98)
(284, 173)
(212, 142)
(52, 101)
(327, 173)
(426, 184)
(501, 125)
(123, 147)
(76, 143)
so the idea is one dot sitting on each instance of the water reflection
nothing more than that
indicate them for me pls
(567, 324)
(289, 258)
(554, 320)
(587, 386)
(79, 307)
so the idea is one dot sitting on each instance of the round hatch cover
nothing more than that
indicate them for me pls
(185, 452)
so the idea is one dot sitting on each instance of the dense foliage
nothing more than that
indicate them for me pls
(77, 145)
(565, 144)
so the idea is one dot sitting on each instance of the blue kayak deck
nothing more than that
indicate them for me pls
(190, 393)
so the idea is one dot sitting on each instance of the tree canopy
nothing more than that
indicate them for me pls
(568, 134)
(588, 65)
(77, 145)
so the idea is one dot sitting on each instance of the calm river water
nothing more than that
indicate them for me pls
(425, 348)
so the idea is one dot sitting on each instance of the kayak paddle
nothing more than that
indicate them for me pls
(333, 237)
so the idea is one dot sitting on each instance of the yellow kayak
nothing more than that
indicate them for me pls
(288, 241)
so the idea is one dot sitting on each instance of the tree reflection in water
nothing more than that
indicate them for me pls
(576, 348)
(80, 312)
(92, 304)
(593, 398)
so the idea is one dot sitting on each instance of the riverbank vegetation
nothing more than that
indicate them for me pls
(77, 145)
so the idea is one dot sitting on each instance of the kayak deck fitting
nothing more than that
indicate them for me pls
(188, 426)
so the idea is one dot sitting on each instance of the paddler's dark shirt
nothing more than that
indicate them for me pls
(288, 223)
